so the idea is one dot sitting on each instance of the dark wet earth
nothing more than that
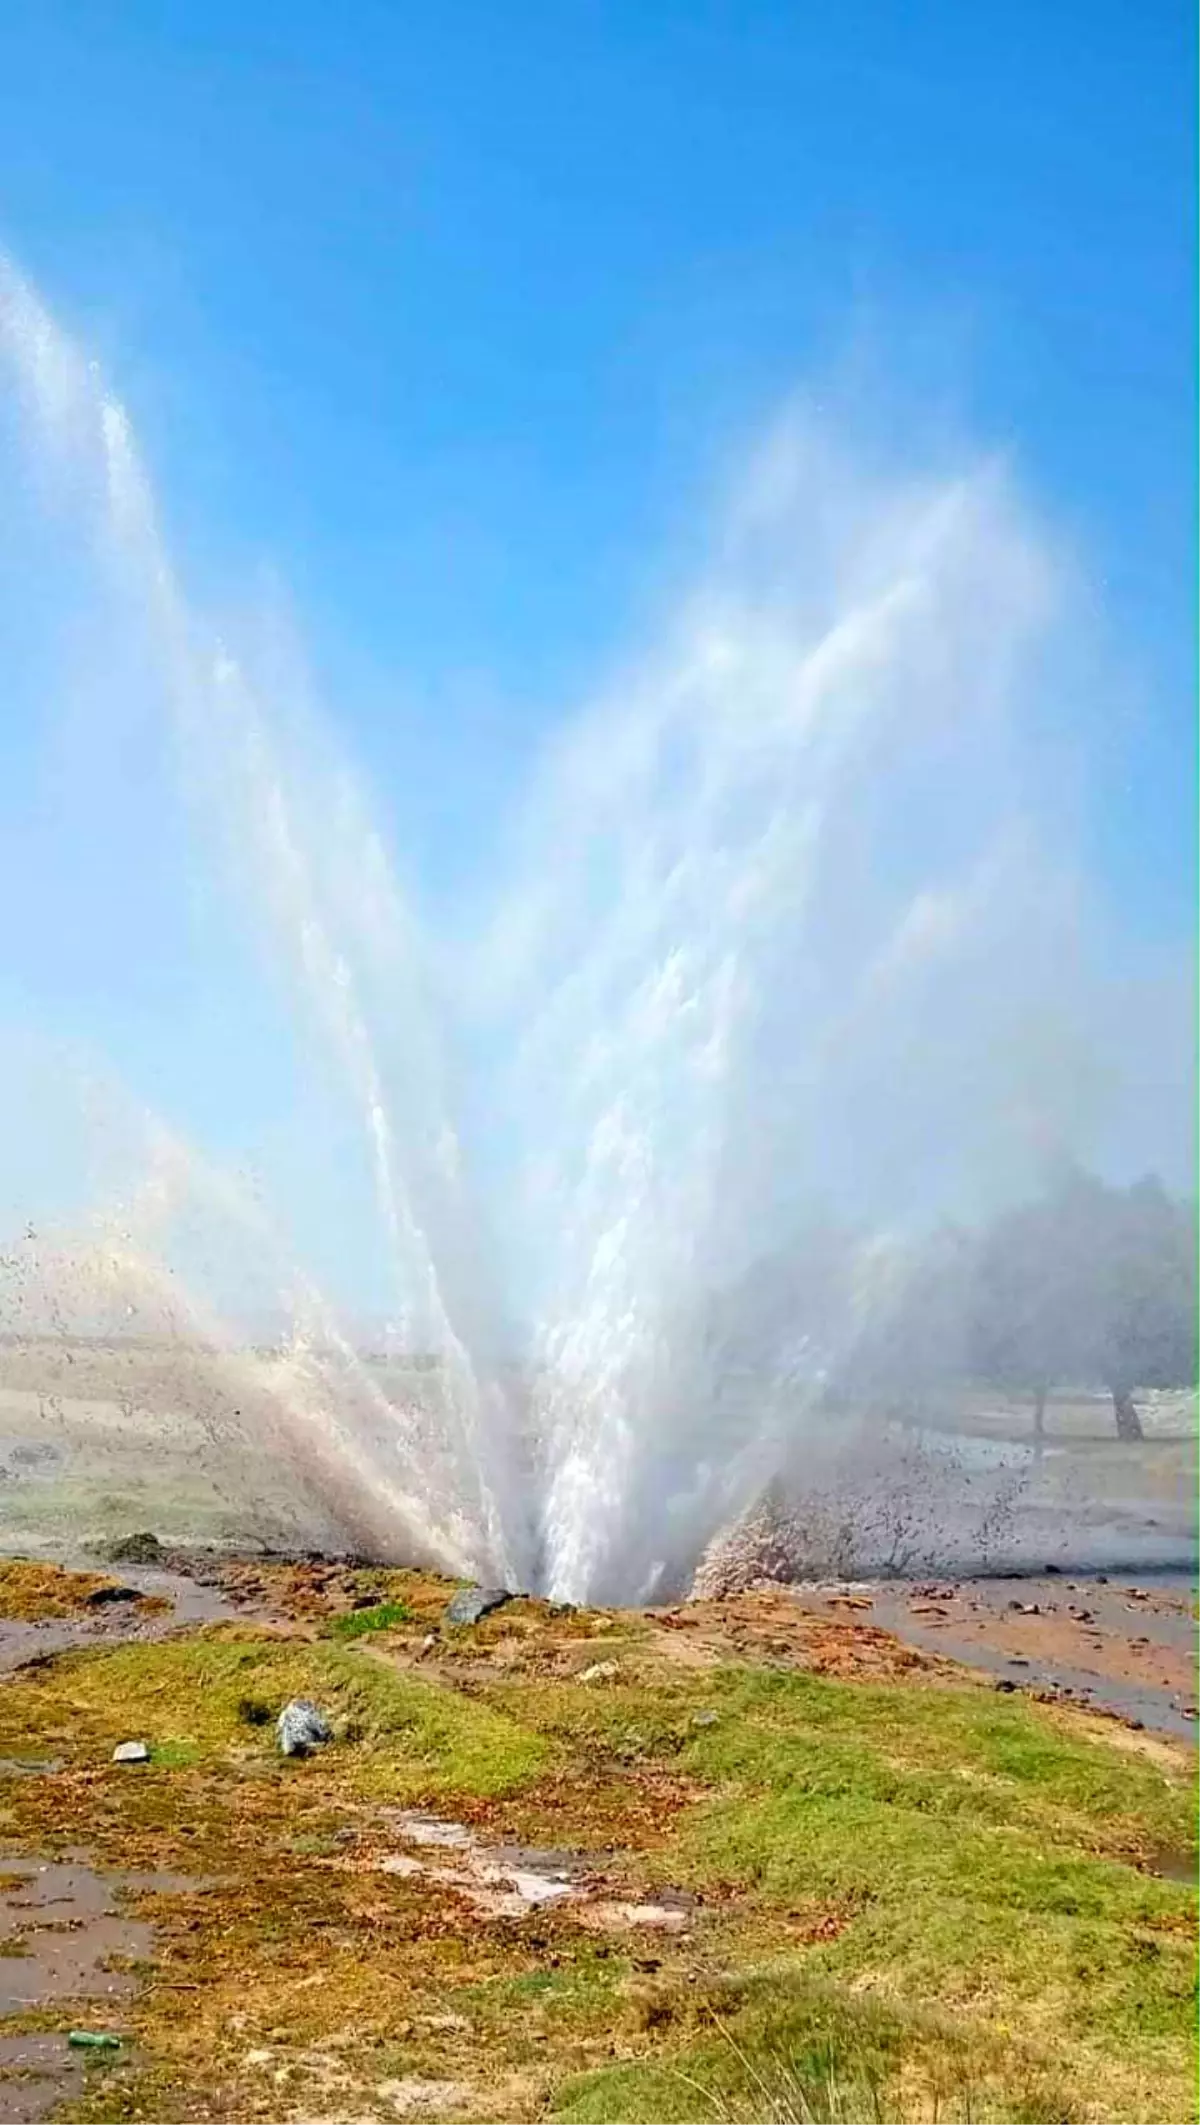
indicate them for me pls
(1109, 1642)
(193, 1600)
(36, 2074)
(64, 1936)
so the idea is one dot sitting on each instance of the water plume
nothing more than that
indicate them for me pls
(775, 930)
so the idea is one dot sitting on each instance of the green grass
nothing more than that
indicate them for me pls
(360, 1623)
(979, 1856)
(188, 1699)
(916, 1901)
(784, 2050)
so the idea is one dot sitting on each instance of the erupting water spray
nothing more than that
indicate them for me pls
(774, 929)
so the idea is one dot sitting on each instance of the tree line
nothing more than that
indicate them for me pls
(1087, 1285)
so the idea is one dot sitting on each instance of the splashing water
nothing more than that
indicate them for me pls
(775, 933)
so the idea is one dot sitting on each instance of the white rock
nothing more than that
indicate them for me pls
(131, 1752)
(603, 1671)
(301, 1727)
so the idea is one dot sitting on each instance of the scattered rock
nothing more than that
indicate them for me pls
(427, 1644)
(705, 1719)
(601, 1671)
(472, 1603)
(301, 1728)
(131, 1752)
(144, 1548)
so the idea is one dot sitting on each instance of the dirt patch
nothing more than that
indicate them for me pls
(771, 1626)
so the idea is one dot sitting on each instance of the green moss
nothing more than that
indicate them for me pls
(360, 1623)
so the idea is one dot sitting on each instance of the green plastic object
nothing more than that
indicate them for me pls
(94, 2040)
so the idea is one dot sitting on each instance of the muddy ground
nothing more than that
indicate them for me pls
(668, 1864)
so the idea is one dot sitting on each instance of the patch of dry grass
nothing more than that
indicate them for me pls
(40, 1593)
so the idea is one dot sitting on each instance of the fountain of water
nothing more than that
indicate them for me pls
(774, 934)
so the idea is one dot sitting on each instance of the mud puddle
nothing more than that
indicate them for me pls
(62, 1935)
(37, 2073)
(510, 1881)
(191, 1601)
(64, 1938)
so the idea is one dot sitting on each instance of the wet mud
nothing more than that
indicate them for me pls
(64, 1936)
(1112, 1643)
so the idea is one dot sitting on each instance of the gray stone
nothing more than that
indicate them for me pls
(474, 1602)
(131, 1752)
(301, 1727)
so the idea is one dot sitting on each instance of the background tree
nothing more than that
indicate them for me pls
(1144, 1296)
(1089, 1283)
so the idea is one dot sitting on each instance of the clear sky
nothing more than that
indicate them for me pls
(451, 312)
(456, 316)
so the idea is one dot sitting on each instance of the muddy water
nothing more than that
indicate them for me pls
(59, 1927)
(64, 1937)
(37, 2073)
(193, 1601)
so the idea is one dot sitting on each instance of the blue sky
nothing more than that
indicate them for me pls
(454, 319)
(456, 314)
